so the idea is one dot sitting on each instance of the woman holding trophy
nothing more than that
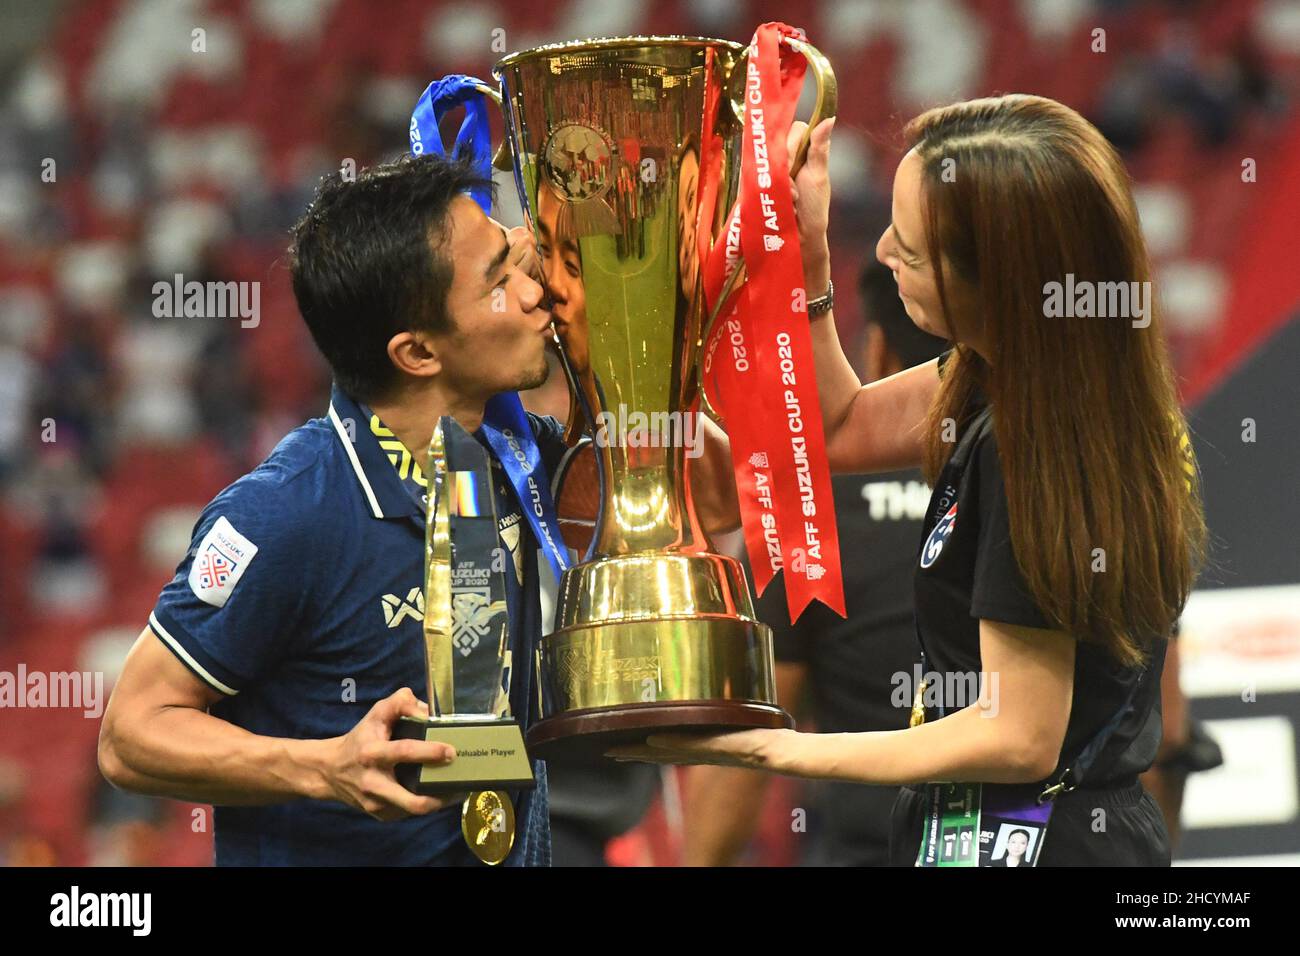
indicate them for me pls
(1065, 526)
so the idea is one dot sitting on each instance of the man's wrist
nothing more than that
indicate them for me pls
(311, 762)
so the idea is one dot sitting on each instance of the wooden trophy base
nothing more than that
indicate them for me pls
(590, 733)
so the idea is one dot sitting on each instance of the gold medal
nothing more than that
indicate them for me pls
(487, 821)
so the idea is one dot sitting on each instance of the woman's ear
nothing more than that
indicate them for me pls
(414, 353)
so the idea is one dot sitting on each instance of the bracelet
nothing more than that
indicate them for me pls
(823, 303)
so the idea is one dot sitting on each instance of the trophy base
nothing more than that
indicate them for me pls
(490, 755)
(628, 662)
(591, 733)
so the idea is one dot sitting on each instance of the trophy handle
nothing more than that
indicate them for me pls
(823, 108)
(502, 159)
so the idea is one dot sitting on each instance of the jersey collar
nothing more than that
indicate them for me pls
(385, 496)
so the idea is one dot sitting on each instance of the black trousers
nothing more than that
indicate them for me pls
(1113, 826)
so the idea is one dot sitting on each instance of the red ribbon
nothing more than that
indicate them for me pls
(758, 362)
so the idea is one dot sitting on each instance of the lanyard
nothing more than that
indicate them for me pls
(978, 426)
(510, 436)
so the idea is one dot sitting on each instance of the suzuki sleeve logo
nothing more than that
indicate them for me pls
(220, 561)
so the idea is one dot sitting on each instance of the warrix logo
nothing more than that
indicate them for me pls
(396, 610)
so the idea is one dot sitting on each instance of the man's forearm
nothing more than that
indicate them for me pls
(188, 754)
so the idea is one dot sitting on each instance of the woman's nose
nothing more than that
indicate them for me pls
(883, 251)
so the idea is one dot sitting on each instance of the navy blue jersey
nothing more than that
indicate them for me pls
(301, 601)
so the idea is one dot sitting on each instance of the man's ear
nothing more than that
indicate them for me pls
(415, 353)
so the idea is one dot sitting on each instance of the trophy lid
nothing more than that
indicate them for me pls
(612, 43)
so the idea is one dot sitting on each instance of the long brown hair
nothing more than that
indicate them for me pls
(1018, 192)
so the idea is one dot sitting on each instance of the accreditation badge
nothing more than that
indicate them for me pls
(972, 824)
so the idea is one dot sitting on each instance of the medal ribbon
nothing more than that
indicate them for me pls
(505, 424)
(473, 140)
(766, 366)
(510, 436)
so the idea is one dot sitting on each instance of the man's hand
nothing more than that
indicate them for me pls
(361, 771)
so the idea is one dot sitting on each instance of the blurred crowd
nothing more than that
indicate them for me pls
(144, 139)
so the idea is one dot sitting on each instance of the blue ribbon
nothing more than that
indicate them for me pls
(510, 436)
(505, 423)
(474, 138)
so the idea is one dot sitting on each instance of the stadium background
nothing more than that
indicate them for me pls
(169, 160)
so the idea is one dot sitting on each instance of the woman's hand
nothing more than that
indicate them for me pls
(523, 252)
(757, 749)
(811, 191)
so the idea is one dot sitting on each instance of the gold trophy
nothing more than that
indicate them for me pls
(466, 630)
(654, 631)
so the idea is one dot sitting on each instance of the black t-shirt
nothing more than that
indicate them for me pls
(859, 668)
(967, 570)
(853, 662)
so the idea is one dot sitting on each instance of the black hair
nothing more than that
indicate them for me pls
(366, 264)
(1018, 830)
(882, 306)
